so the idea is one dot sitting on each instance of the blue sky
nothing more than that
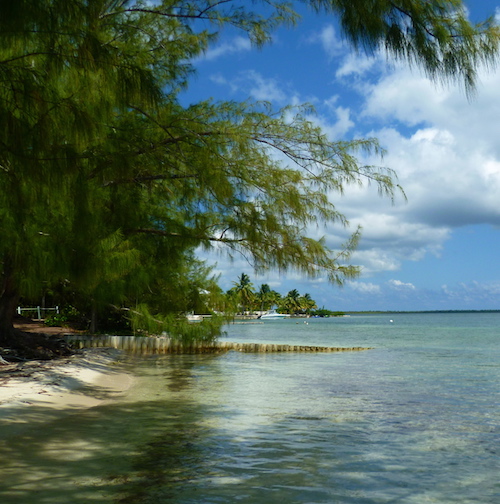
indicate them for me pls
(439, 250)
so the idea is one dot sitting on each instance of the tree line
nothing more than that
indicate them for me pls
(246, 299)
(109, 185)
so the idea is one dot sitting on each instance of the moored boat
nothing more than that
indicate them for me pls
(274, 315)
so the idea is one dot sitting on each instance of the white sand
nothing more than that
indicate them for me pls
(81, 381)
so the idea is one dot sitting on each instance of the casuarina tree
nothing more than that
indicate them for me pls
(108, 183)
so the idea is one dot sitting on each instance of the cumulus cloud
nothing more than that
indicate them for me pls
(264, 89)
(441, 147)
(376, 260)
(410, 99)
(450, 174)
(365, 287)
(401, 286)
(447, 156)
(444, 148)
(337, 123)
(348, 64)
(356, 65)
(329, 41)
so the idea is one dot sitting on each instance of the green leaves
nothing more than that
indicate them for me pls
(434, 35)
(110, 185)
(255, 180)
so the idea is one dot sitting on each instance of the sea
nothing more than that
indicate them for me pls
(414, 420)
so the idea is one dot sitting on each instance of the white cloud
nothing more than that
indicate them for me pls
(400, 286)
(349, 63)
(236, 45)
(219, 79)
(449, 181)
(337, 124)
(482, 295)
(364, 287)
(265, 89)
(446, 153)
(445, 150)
(404, 96)
(258, 87)
(376, 260)
(356, 65)
(330, 42)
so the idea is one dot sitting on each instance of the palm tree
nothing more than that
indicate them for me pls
(244, 291)
(307, 303)
(263, 296)
(292, 301)
(274, 298)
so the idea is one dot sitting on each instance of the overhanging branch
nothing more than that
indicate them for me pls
(159, 232)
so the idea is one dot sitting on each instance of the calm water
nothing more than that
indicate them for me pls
(415, 420)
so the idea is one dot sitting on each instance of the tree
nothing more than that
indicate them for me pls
(275, 298)
(262, 297)
(435, 35)
(109, 184)
(244, 293)
(70, 75)
(307, 303)
(292, 302)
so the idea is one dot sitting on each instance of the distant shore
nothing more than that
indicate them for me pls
(385, 312)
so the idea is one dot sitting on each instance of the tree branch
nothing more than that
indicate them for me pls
(159, 232)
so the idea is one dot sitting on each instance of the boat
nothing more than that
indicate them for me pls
(274, 315)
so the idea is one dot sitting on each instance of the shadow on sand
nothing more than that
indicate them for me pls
(124, 452)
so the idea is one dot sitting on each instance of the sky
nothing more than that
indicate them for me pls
(439, 249)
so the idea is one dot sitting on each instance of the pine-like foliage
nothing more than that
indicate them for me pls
(108, 184)
(435, 35)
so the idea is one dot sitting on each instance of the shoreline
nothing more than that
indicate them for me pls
(84, 380)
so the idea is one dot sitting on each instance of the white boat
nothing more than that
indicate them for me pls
(274, 315)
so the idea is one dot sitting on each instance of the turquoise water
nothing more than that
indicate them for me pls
(414, 420)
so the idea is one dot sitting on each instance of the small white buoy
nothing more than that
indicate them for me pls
(391, 321)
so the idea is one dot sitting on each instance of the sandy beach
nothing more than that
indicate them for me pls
(53, 447)
(84, 380)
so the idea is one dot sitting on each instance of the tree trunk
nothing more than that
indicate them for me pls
(93, 319)
(9, 298)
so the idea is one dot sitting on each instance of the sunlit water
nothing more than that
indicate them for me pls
(414, 420)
